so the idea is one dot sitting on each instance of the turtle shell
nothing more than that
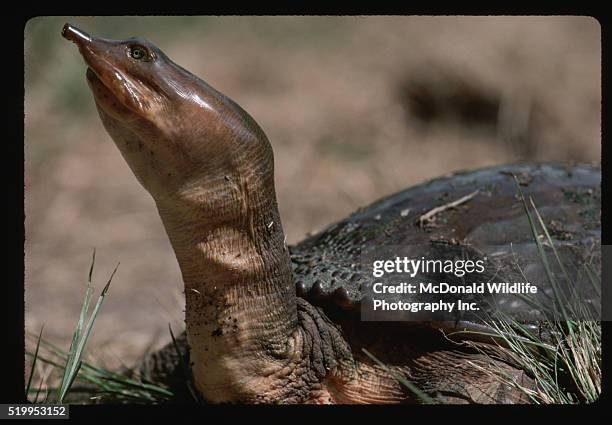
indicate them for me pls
(491, 222)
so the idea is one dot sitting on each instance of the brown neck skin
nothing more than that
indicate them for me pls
(241, 315)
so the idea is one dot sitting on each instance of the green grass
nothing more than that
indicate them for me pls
(97, 383)
(80, 381)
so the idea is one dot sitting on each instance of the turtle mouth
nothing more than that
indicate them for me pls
(97, 68)
(97, 86)
(106, 98)
(113, 90)
(96, 83)
(92, 77)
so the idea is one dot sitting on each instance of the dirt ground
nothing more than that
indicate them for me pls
(355, 107)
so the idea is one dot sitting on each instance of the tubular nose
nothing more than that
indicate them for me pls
(74, 34)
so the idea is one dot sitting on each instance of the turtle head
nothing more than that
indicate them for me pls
(179, 135)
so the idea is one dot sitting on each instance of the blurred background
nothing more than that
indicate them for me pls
(356, 108)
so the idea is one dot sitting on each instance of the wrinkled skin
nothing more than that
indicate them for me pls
(251, 339)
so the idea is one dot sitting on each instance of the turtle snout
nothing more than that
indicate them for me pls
(74, 34)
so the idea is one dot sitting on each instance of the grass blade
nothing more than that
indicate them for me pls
(74, 362)
(420, 394)
(542, 254)
(77, 332)
(34, 360)
(184, 366)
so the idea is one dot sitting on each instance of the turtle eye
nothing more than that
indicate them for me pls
(139, 53)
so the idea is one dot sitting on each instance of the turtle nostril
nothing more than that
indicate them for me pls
(74, 34)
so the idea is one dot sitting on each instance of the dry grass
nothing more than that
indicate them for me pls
(566, 366)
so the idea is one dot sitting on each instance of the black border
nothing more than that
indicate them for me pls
(11, 378)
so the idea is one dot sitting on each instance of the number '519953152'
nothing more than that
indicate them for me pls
(23, 410)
